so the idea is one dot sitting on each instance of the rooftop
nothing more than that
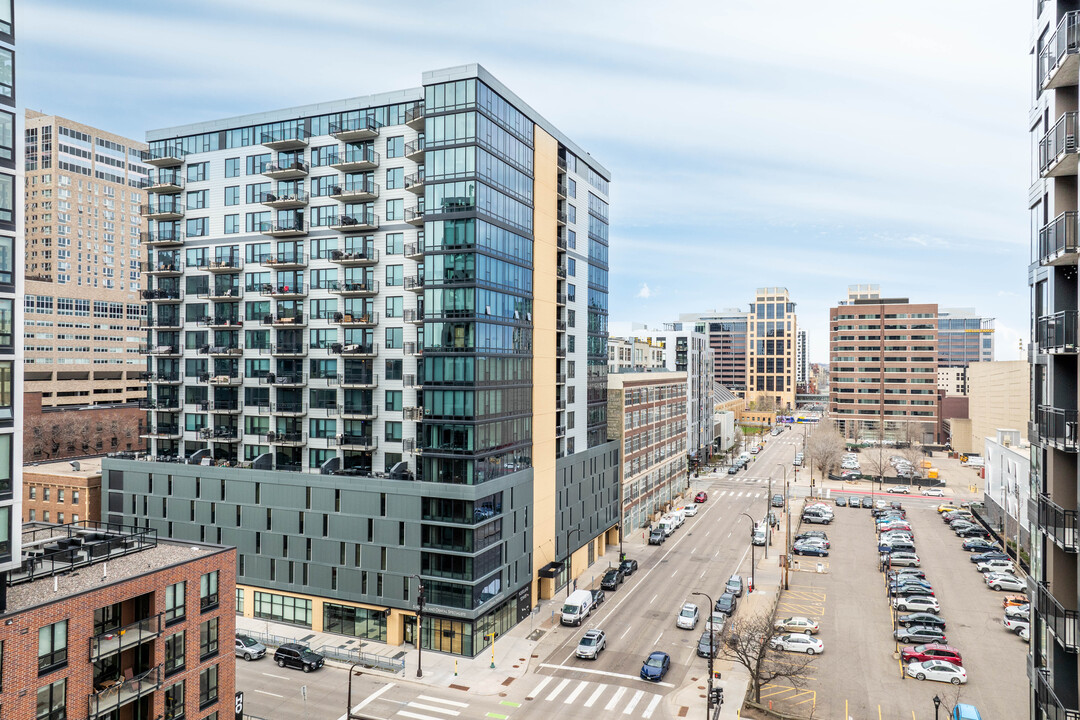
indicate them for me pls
(89, 467)
(618, 379)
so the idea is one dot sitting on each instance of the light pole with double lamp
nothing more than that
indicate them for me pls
(753, 525)
(419, 626)
(712, 653)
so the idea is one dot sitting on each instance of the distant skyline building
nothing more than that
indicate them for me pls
(964, 337)
(771, 341)
(802, 360)
(634, 354)
(727, 333)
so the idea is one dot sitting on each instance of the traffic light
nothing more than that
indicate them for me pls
(716, 699)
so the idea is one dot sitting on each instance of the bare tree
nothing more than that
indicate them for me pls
(35, 439)
(825, 447)
(913, 451)
(746, 643)
(875, 460)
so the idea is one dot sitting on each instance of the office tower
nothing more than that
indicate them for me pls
(802, 360)
(633, 354)
(770, 362)
(84, 222)
(1053, 667)
(371, 365)
(727, 333)
(11, 292)
(864, 291)
(964, 337)
(883, 366)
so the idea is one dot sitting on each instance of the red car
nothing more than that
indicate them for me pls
(701, 497)
(932, 651)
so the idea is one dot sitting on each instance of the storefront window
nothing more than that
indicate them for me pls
(357, 622)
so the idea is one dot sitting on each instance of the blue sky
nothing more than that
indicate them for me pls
(807, 145)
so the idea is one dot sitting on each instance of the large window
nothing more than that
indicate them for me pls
(357, 622)
(7, 72)
(269, 606)
(52, 647)
(52, 701)
(208, 591)
(208, 639)
(175, 602)
(7, 132)
(208, 686)
(175, 657)
(174, 701)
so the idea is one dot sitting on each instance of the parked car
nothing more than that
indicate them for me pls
(797, 625)
(657, 536)
(598, 597)
(733, 469)
(688, 617)
(933, 492)
(932, 651)
(921, 618)
(819, 534)
(778, 500)
(899, 490)
(298, 656)
(919, 634)
(973, 531)
(629, 566)
(977, 544)
(935, 670)
(909, 591)
(1018, 612)
(988, 556)
(812, 515)
(701, 497)
(249, 648)
(807, 548)
(612, 578)
(734, 585)
(655, 666)
(868, 502)
(1005, 582)
(726, 604)
(1013, 600)
(907, 572)
(708, 644)
(904, 559)
(946, 507)
(689, 510)
(798, 643)
(1002, 566)
(917, 603)
(1015, 625)
(715, 621)
(906, 581)
(841, 501)
(592, 644)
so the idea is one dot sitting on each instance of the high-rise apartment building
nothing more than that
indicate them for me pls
(772, 330)
(378, 358)
(727, 333)
(11, 321)
(883, 366)
(1053, 666)
(964, 337)
(802, 360)
(84, 223)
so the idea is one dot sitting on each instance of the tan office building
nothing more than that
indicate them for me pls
(771, 348)
(83, 246)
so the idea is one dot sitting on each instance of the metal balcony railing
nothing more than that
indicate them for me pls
(1063, 623)
(1059, 237)
(1060, 524)
(1057, 333)
(123, 691)
(1064, 41)
(1057, 427)
(1047, 704)
(1058, 141)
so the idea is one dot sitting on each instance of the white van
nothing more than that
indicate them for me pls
(667, 525)
(577, 607)
(678, 516)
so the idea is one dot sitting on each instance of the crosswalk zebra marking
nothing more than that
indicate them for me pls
(558, 689)
(633, 702)
(577, 691)
(595, 696)
(539, 688)
(651, 706)
(615, 700)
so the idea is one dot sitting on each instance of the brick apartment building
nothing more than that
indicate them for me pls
(62, 492)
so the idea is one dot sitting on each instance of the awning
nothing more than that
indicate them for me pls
(550, 570)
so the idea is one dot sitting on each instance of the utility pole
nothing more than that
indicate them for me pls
(712, 652)
(753, 525)
(419, 626)
(787, 542)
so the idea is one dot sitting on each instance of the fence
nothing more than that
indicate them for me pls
(345, 655)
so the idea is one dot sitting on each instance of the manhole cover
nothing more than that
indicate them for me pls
(507, 681)
(459, 687)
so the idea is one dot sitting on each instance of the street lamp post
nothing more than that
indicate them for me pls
(348, 710)
(570, 559)
(753, 524)
(784, 468)
(419, 626)
(937, 704)
(712, 652)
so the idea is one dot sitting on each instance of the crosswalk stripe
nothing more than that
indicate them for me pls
(595, 696)
(433, 708)
(651, 706)
(452, 703)
(539, 688)
(558, 689)
(615, 699)
(633, 701)
(577, 691)
(416, 716)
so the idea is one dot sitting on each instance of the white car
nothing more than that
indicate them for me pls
(1018, 612)
(934, 492)
(996, 581)
(937, 670)
(917, 603)
(690, 510)
(798, 643)
(1016, 624)
(1005, 567)
(1025, 634)
(901, 489)
(904, 559)
(688, 617)
(715, 622)
(592, 644)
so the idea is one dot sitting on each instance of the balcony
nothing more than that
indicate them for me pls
(288, 349)
(221, 294)
(1056, 334)
(355, 190)
(560, 351)
(415, 283)
(1056, 427)
(360, 380)
(414, 216)
(173, 267)
(161, 378)
(354, 289)
(166, 157)
(560, 239)
(222, 322)
(297, 319)
(164, 351)
(415, 183)
(355, 349)
(162, 237)
(414, 116)
(411, 380)
(1061, 622)
(560, 298)
(1058, 240)
(415, 151)
(223, 379)
(350, 411)
(165, 182)
(355, 258)
(287, 228)
(283, 380)
(1058, 59)
(363, 221)
(560, 431)
(220, 434)
(285, 170)
(416, 317)
(285, 260)
(355, 159)
(1047, 704)
(1057, 149)
(413, 413)
(560, 272)
(560, 189)
(560, 325)
(369, 319)
(292, 138)
(560, 378)
(288, 408)
(414, 251)
(115, 641)
(161, 404)
(413, 348)
(221, 265)
(162, 323)
(167, 208)
(164, 432)
(357, 442)
(221, 350)
(355, 129)
(228, 407)
(286, 438)
(1059, 524)
(285, 200)
(283, 292)
(560, 217)
(123, 692)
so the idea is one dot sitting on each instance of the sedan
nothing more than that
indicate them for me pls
(1005, 582)
(715, 621)
(973, 531)
(592, 644)
(937, 670)
(701, 497)
(805, 548)
(980, 545)
(988, 556)
(841, 501)
(922, 618)
(919, 634)
(797, 625)
(726, 604)
(917, 603)
(708, 644)
(655, 666)
(899, 489)
(946, 507)
(612, 578)
(797, 643)
(867, 502)
(1018, 612)
(906, 572)
(688, 617)
(933, 492)
(689, 510)
(904, 559)
(598, 597)
(1014, 600)
(628, 566)
(909, 591)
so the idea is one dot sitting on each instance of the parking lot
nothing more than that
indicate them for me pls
(858, 675)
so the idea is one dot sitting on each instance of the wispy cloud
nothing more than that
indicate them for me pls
(644, 293)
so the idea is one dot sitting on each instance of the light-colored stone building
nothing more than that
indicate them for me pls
(952, 380)
(62, 492)
(633, 354)
(84, 298)
(998, 397)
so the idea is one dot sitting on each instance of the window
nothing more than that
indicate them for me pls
(52, 647)
(208, 639)
(395, 146)
(394, 337)
(196, 200)
(232, 195)
(175, 604)
(60, 495)
(393, 400)
(7, 135)
(270, 606)
(395, 274)
(52, 701)
(395, 243)
(394, 306)
(174, 652)
(208, 591)
(393, 431)
(46, 493)
(7, 199)
(395, 209)
(174, 701)
(208, 686)
(7, 72)
(571, 187)
(571, 266)
(255, 163)
(7, 249)
(232, 224)
(571, 213)
(196, 227)
(393, 369)
(196, 172)
(232, 167)
(395, 178)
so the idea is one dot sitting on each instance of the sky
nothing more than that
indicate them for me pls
(809, 145)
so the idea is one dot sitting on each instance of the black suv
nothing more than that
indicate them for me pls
(612, 578)
(298, 656)
(628, 566)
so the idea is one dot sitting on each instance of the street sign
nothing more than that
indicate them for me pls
(240, 706)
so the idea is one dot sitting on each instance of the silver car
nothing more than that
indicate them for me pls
(591, 645)
(688, 617)
(249, 648)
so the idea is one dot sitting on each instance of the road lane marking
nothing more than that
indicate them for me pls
(633, 701)
(707, 533)
(577, 691)
(625, 631)
(367, 701)
(653, 598)
(537, 690)
(433, 708)
(657, 640)
(452, 703)
(606, 673)
(263, 692)
(651, 706)
(595, 696)
(615, 699)
(674, 573)
(558, 689)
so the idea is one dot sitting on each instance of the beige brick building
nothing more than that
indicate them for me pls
(772, 329)
(83, 291)
(58, 493)
(999, 397)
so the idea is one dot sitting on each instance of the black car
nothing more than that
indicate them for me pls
(989, 555)
(628, 566)
(598, 597)
(656, 536)
(612, 578)
(977, 544)
(298, 656)
(919, 634)
(909, 590)
(778, 500)
(726, 604)
(868, 502)
(841, 501)
(733, 469)
(816, 550)
(819, 534)
(973, 531)
(922, 618)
